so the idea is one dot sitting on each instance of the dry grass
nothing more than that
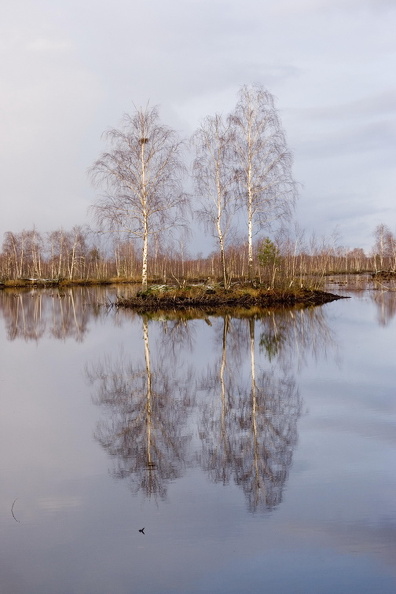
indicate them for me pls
(163, 297)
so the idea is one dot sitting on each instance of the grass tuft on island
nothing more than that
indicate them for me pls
(166, 297)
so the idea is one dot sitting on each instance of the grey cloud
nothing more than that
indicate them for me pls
(315, 6)
(69, 70)
(377, 104)
(375, 137)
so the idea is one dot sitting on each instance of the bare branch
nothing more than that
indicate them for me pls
(263, 164)
(142, 178)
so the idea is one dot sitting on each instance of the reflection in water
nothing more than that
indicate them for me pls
(58, 313)
(217, 423)
(386, 305)
(381, 291)
(249, 432)
(147, 409)
(246, 414)
(290, 335)
(244, 407)
(167, 430)
(267, 416)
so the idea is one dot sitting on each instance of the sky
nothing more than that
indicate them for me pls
(69, 70)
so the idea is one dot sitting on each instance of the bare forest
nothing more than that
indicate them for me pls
(82, 254)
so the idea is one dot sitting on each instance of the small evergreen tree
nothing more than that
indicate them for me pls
(269, 257)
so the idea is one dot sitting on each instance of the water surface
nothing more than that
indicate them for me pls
(258, 453)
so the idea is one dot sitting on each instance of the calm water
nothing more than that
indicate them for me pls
(258, 454)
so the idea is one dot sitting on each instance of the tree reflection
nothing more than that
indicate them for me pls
(249, 403)
(217, 419)
(147, 411)
(60, 313)
(248, 434)
(23, 316)
(267, 433)
(385, 300)
(288, 336)
(247, 420)
(177, 335)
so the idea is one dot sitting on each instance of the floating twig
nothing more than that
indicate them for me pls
(12, 511)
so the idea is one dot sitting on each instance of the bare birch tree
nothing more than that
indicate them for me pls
(214, 178)
(263, 163)
(13, 248)
(384, 248)
(142, 175)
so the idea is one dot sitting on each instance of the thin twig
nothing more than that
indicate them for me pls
(12, 511)
(178, 282)
(387, 288)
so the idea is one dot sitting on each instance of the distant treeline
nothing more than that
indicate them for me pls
(82, 254)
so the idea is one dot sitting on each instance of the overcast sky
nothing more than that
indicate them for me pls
(69, 70)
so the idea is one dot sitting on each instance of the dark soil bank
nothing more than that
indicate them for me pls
(164, 298)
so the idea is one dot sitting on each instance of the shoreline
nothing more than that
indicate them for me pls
(205, 297)
(245, 298)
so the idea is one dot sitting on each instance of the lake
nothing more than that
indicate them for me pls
(160, 454)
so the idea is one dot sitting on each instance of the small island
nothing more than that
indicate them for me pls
(166, 297)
